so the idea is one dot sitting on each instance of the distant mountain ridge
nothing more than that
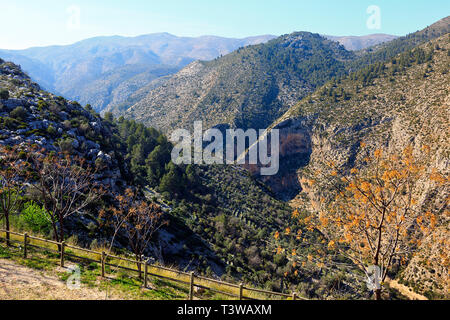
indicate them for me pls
(355, 43)
(250, 87)
(88, 70)
(104, 71)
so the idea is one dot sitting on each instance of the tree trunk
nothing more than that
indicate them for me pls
(7, 229)
(378, 294)
(139, 265)
(55, 232)
(61, 229)
(377, 278)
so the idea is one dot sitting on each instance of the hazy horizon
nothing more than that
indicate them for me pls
(50, 23)
(187, 37)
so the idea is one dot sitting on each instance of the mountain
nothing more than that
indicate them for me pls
(388, 105)
(77, 71)
(105, 71)
(356, 43)
(248, 88)
(252, 86)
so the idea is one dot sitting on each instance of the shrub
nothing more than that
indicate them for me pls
(9, 123)
(51, 131)
(42, 105)
(66, 145)
(35, 218)
(19, 113)
(4, 94)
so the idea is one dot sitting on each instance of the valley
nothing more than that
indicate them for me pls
(101, 113)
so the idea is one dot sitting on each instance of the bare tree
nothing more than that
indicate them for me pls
(143, 222)
(66, 186)
(116, 216)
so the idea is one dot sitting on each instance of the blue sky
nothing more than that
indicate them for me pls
(26, 23)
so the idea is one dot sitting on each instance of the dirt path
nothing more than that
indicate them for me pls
(404, 290)
(18, 282)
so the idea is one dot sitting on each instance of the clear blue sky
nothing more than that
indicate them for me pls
(26, 23)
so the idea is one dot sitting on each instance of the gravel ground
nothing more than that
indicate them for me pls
(18, 282)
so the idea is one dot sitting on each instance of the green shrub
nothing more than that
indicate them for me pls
(8, 123)
(19, 113)
(66, 145)
(42, 105)
(35, 218)
(4, 94)
(51, 131)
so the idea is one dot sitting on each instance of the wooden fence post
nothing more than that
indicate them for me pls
(103, 264)
(25, 241)
(191, 287)
(63, 244)
(294, 296)
(241, 291)
(145, 273)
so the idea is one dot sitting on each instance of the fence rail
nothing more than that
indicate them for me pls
(143, 269)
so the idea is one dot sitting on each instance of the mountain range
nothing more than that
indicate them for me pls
(248, 88)
(105, 71)
(253, 86)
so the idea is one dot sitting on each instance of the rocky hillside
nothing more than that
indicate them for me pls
(31, 116)
(386, 51)
(248, 88)
(387, 105)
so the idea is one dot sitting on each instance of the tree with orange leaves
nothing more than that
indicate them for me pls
(373, 217)
(138, 220)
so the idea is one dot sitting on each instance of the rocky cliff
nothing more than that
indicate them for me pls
(405, 102)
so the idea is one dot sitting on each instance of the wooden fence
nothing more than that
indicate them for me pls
(237, 291)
